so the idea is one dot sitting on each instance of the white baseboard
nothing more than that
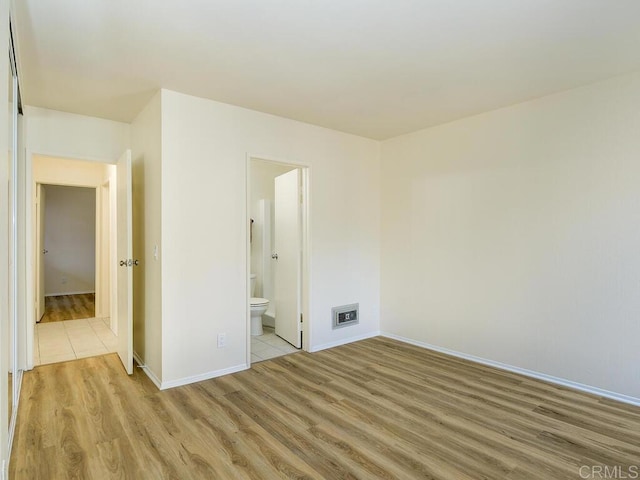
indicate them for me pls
(344, 341)
(152, 376)
(68, 293)
(203, 376)
(522, 371)
(268, 320)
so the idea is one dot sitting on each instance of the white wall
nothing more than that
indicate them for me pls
(70, 240)
(54, 133)
(204, 230)
(513, 235)
(147, 174)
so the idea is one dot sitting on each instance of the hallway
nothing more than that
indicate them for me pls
(69, 307)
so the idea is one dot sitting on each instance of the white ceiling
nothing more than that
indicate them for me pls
(376, 68)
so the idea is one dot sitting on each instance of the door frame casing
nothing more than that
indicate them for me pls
(39, 249)
(124, 259)
(29, 297)
(305, 287)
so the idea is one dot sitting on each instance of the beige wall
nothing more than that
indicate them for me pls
(513, 235)
(70, 240)
(61, 134)
(61, 171)
(204, 271)
(147, 174)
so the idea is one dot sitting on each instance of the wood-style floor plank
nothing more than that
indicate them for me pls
(69, 307)
(372, 409)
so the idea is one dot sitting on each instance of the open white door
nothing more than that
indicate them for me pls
(40, 250)
(287, 258)
(125, 262)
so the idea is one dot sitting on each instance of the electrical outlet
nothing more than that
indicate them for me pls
(222, 340)
(63, 280)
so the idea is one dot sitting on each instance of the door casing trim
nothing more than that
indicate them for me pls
(305, 288)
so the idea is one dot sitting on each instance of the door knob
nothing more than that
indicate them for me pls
(274, 256)
(129, 263)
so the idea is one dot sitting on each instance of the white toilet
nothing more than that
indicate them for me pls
(258, 307)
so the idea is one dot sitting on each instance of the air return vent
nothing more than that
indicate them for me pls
(345, 315)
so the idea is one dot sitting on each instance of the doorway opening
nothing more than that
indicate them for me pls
(66, 231)
(277, 253)
(111, 327)
(69, 220)
(72, 252)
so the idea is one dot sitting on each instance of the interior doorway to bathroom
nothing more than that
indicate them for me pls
(278, 266)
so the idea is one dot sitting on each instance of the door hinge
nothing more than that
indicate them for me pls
(300, 318)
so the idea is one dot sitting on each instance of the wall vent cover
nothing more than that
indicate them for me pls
(345, 315)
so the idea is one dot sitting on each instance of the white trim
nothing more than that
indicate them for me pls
(305, 287)
(69, 293)
(344, 341)
(15, 287)
(247, 236)
(14, 410)
(152, 376)
(30, 260)
(66, 155)
(203, 376)
(30, 319)
(522, 371)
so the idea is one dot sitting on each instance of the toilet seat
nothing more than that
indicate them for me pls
(257, 301)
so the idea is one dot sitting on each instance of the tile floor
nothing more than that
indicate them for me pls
(269, 345)
(72, 339)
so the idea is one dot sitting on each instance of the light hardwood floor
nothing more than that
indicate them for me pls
(372, 409)
(68, 307)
